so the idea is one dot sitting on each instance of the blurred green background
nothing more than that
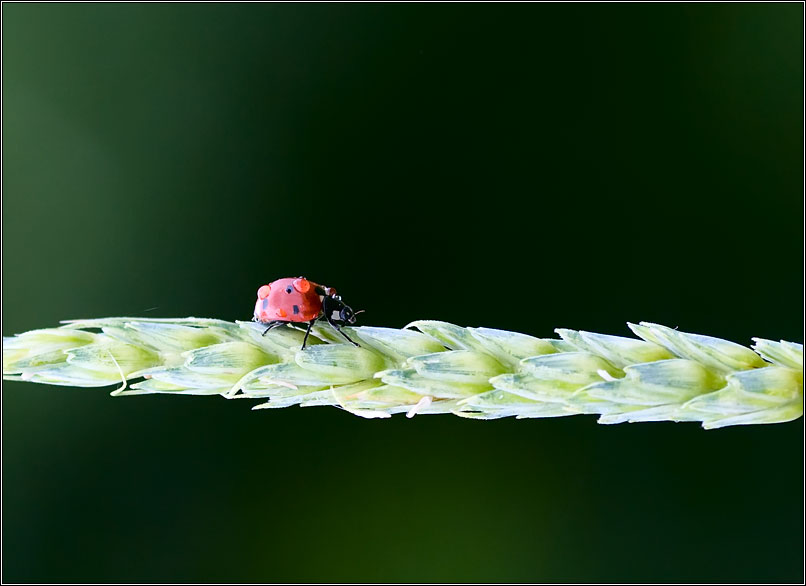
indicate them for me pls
(517, 166)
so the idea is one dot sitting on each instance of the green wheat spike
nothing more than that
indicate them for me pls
(428, 367)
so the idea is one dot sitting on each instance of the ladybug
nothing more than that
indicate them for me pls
(299, 300)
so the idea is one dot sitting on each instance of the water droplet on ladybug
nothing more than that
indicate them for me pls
(302, 285)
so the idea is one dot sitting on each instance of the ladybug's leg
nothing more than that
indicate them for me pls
(308, 332)
(338, 329)
(329, 307)
(272, 324)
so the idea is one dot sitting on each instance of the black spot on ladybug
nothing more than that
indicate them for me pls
(265, 303)
(288, 290)
(296, 309)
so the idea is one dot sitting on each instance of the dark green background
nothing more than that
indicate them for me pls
(517, 166)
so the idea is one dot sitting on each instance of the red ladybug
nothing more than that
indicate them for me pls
(300, 300)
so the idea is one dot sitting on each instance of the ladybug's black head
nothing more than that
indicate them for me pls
(345, 313)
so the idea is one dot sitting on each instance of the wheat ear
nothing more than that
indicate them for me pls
(479, 373)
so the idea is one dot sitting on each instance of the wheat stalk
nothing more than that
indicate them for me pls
(480, 373)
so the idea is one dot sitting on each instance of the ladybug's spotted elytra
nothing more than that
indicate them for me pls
(299, 300)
